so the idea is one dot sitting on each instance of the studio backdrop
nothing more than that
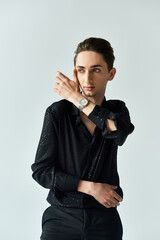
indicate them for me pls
(39, 37)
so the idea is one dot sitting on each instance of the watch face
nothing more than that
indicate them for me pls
(83, 102)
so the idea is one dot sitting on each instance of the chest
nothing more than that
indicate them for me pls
(89, 124)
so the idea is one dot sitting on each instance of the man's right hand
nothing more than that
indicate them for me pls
(102, 192)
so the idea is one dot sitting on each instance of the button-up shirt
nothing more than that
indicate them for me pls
(67, 152)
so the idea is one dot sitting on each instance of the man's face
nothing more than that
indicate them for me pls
(92, 73)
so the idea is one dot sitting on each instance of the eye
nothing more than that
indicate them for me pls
(80, 70)
(96, 70)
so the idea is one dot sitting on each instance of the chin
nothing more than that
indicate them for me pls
(89, 94)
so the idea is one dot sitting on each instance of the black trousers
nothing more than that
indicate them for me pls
(62, 223)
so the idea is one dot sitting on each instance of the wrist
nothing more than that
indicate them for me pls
(76, 98)
(85, 187)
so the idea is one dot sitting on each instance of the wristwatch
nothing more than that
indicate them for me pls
(83, 103)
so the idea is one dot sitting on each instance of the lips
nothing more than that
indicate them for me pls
(89, 88)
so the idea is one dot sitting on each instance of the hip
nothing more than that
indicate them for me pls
(81, 223)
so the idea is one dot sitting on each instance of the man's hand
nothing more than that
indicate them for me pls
(102, 192)
(105, 194)
(67, 88)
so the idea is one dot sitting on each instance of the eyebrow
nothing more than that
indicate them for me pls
(93, 66)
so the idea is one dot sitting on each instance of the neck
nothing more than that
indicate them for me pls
(98, 100)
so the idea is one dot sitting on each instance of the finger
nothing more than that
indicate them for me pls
(118, 197)
(115, 202)
(75, 78)
(112, 202)
(61, 75)
(56, 90)
(56, 85)
(107, 205)
(113, 187)
(109, 202)
(59, 80)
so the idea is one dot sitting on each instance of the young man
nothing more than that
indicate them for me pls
(77, 153)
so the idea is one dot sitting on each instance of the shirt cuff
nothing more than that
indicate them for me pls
(99, 115)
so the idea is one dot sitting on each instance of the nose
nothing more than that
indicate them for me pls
(87, 78)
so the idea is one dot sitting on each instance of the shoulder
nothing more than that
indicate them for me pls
(115, 104)
(60, 107)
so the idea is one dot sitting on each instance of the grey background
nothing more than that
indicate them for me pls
(37, 38)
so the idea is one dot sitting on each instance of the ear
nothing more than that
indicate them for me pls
(112, 74)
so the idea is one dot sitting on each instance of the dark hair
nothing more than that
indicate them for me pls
(98, 45)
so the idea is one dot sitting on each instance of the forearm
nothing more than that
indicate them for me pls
(102, 192)
(85, 186)
(50, 177)
(110, 125)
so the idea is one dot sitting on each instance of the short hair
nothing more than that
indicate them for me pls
(98, 45)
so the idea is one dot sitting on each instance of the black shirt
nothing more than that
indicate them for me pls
(67, 152)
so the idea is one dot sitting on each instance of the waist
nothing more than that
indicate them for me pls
(75, 199)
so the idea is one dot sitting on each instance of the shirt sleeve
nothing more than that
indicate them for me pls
(44, 168)
(120, 116)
